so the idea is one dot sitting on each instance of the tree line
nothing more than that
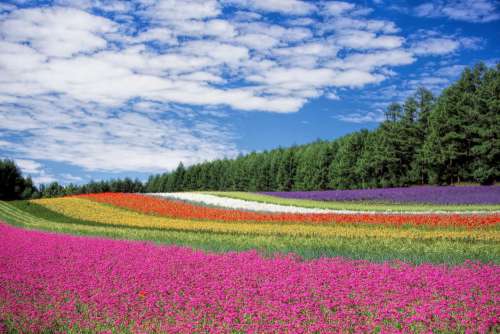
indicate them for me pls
(14, 186)
(426, 139)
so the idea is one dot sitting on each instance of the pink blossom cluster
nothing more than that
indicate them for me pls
(60, 283)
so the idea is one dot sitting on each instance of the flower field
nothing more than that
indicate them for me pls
(420, 194)
(247, 263)
(236, 212)
(177, 290)
(358, 205)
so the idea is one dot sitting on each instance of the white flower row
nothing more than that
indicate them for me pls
(239, 204)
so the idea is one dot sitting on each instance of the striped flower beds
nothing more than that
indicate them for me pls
(81, 208)
(59, 283)
(189, 210)
(237, 204)
(356, 207)
(414, 238)
(292, 269)
(418, 194)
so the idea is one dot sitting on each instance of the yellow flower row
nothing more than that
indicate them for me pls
(89, 210)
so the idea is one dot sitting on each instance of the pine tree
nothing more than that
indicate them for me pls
(286, 170)
(485, 129)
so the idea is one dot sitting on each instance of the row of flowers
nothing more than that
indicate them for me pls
(120, 286)
(266, 203)
(418, 194)
(81, 208)
(361, 206)
(192, 210)
(237, 204)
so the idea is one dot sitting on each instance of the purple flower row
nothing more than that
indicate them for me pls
(57, 282)
(418, 194)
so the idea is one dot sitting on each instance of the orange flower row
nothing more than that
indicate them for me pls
(178, 209)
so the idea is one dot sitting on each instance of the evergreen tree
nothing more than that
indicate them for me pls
(12, 183)
(286, 170)
(485, 129)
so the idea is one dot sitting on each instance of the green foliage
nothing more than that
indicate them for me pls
(55, 189)
(463, 143)
(425, 140)
(12, 184)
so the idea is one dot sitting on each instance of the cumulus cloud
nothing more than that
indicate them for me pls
(294, 7)
(433, 45)
(173, 10)
(359, 39)
(141, 85)
(96, 139)
(338, 7)
(358, 117)
(479, 11)
(374, 60)
(29, 166)
(57, 31)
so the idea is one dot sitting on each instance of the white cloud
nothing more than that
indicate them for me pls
(451, 71)
(337, 7)
(364, 40)
(480, 11)
(294, 7)
(314, 48)
(301, 21)
(443, 45)
(108, 94)
(104, 5)
(343, 23)
(155, 34)
(218, 52)
(35, 170)
(174, 10)
(29, 166)
(358, 118)
(71, 178)
(282, 34)
(355, 78)
(127, 141)
(374, 60)
(257, 41)
(56, 31)
(332, 95)
(435, 46)
(44, 178)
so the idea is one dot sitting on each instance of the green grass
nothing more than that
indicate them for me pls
(356, 206)
(32, 216)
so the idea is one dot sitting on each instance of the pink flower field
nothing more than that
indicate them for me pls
(60, 283)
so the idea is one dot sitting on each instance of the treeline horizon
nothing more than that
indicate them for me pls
(435, 140)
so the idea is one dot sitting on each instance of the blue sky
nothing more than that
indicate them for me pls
(93, 89)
